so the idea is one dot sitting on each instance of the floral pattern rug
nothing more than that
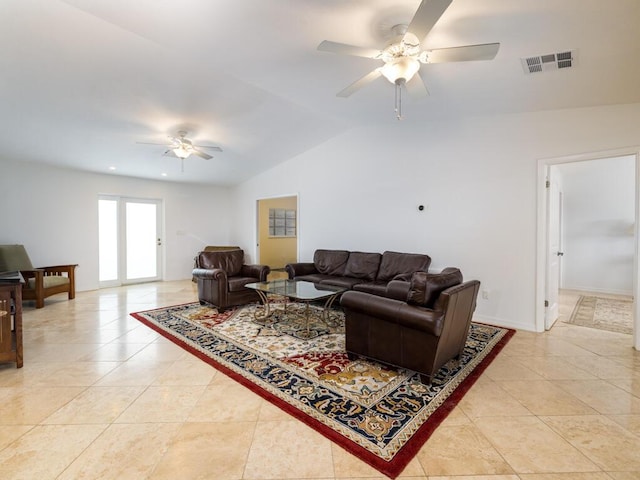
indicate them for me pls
(379, 413)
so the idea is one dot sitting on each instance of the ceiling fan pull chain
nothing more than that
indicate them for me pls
(398, 101)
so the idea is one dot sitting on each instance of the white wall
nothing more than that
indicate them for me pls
(477, 177)
(598, 218)
(54, 213)
(361, 190)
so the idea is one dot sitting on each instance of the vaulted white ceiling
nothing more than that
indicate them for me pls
(82, 81)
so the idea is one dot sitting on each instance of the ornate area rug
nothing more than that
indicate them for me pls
(382, 415)
(615, 315)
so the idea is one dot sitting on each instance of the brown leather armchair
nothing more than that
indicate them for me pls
(222, 276)
(421, 327)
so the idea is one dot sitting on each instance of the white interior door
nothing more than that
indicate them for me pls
(554, 254)
(130, 243)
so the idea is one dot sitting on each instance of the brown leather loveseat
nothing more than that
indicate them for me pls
(222, 276)
(361, 271)
(423, 326)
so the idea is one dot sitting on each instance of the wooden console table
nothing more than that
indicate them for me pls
(11, 318)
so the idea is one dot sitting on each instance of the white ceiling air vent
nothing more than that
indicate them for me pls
(548, 62)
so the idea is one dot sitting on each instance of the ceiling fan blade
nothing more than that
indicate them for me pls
(216, 149)
(344, 49)
(147, 143)
(200, 154)
(416, 87)
(428, 13)
(486, 51)
(358, 84)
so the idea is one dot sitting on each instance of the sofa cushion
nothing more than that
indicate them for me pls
(230, 261)
(237, 284)
(363, 265)
(396, 263)
(342, 282)
(330, 262)
(374, 288)
(315, 277)
(49, 281)
(426, 287)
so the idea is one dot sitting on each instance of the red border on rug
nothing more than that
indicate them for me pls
(391, 468)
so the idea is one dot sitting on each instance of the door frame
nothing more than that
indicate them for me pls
(256, 242)
(541, 240)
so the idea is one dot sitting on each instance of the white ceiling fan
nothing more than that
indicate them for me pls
(181, 147)
(403, 55)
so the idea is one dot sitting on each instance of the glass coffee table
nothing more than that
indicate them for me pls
(299, 291)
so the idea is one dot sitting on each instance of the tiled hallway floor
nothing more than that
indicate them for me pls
(101, 396)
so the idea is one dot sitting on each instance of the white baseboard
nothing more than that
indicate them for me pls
(500, 322)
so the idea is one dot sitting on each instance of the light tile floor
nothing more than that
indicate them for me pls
(101, 396)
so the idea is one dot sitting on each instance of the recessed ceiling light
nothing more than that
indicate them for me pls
(112, 168)
(163, 174)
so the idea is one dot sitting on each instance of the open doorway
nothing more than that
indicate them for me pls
(587, 236)
(278, 224)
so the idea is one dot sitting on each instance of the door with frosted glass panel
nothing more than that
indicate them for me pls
(130, 241)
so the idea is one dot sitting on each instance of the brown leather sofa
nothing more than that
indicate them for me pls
(361, 271)
(222, 276)
(420, 325)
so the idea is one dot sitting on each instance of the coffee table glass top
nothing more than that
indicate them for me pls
(296, 289)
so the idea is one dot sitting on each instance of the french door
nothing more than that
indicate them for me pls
(130, 244)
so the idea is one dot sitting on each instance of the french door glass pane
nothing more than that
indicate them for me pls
(108, 239)
(141, 240)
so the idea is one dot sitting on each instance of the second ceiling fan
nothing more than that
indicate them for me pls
(403, 55)
(181, 147)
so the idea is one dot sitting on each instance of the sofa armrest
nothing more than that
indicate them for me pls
(394, 311)
(210, 273)
(299, 269)
(449, 270)
(470, 287)
(36, 273)
(256, 271)
(398, 290)
(405, 277)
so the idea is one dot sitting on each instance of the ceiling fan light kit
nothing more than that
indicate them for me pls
(403, 68)
(181, 152)
(401, 59)
(404, 55)
(399, 71)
